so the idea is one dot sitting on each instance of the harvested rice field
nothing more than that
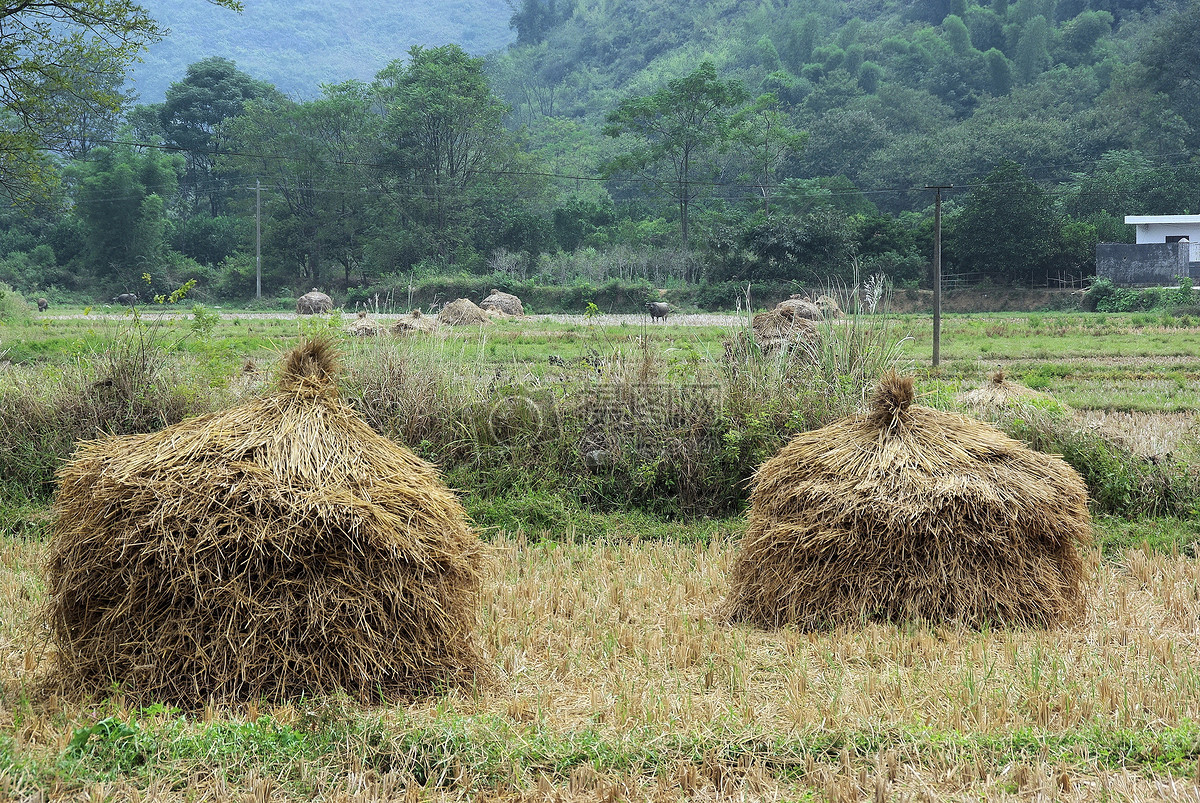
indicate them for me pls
(615, 679)
(611, 672)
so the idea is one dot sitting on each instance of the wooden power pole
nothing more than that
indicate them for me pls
(258, 238)
(937, 270)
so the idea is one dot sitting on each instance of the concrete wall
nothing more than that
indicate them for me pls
(1150, 264)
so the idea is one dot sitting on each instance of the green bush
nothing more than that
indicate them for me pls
(1120, 482)
(13, 306)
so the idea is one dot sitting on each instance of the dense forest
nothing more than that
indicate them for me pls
(708, 144)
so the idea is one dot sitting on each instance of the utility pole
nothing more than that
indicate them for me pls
(257, 238)
(937, 270)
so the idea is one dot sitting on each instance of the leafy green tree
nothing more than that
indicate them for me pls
(193, 118)
(766, 140)
(676, 132)
(447, 158)
(57, 58)
(1033, 49)
(534, 19)
(119, 201)
(813, 248)
(999, 68)
(1171, 66)
(1006, 228)
(314, 157)
(1129, 183)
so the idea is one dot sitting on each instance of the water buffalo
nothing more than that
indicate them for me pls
(658, 309)
(43, 304)
(128, 299)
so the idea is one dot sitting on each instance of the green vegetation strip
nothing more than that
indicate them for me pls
(487, 751)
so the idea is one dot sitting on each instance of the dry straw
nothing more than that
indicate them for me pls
(799, 307)
(462, 312)
(503, 302)
(363, 326)
(271, 550)
(775, 330)
(1000, 396)
(903, 512)
(414, 322)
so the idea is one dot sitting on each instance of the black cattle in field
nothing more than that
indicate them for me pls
(128, 299)
(658, 309)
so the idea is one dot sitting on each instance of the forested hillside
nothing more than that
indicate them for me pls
(301, 44)
(699, 145)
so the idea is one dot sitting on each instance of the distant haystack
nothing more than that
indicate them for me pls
(313, 302)
(904, 512)
(799, 307)
(277, 549)
(414, 322)
(999, 397)
(364, 326)
(776, 331)
(503, 302)
(462, 312)
(828, 307)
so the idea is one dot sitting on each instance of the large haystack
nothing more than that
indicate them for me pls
(776, 331)
(462, 312)
(903, 512)
(271, 550)
(503, 302)
(1000, 397)
(829, 307)
(799, 307)
(414, 322)
(314, 302)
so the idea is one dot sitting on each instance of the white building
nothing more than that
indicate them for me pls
(1168, 229)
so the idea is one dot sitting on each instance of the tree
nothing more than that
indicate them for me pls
(445, 152)
(534, 19)
(119, 201)
(1033, 49)
(676, 131)
(193, 117)
(1006, 228)
(1171, 61)
(57, 57)
(767, 141)
(314, 157)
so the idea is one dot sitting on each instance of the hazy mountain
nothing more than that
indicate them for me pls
(299, 44)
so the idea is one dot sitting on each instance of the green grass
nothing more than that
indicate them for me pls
(1164, 535)
(471, 752)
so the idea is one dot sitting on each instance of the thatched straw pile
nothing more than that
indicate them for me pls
(275, 549)
(775, 331)
(829, 307)
(462, 312)
(999, 397)
(414, 322)
(799, 307)
(363, 326)
(503, 302)
(313, 302)
(903, 512)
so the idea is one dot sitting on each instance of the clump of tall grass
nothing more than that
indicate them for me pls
(1120, 481)
(136, 384)
(13, 306)
(625, 430)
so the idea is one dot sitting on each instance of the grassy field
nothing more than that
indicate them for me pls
(612, 677)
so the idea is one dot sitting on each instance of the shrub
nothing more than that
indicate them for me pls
(13, 306)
